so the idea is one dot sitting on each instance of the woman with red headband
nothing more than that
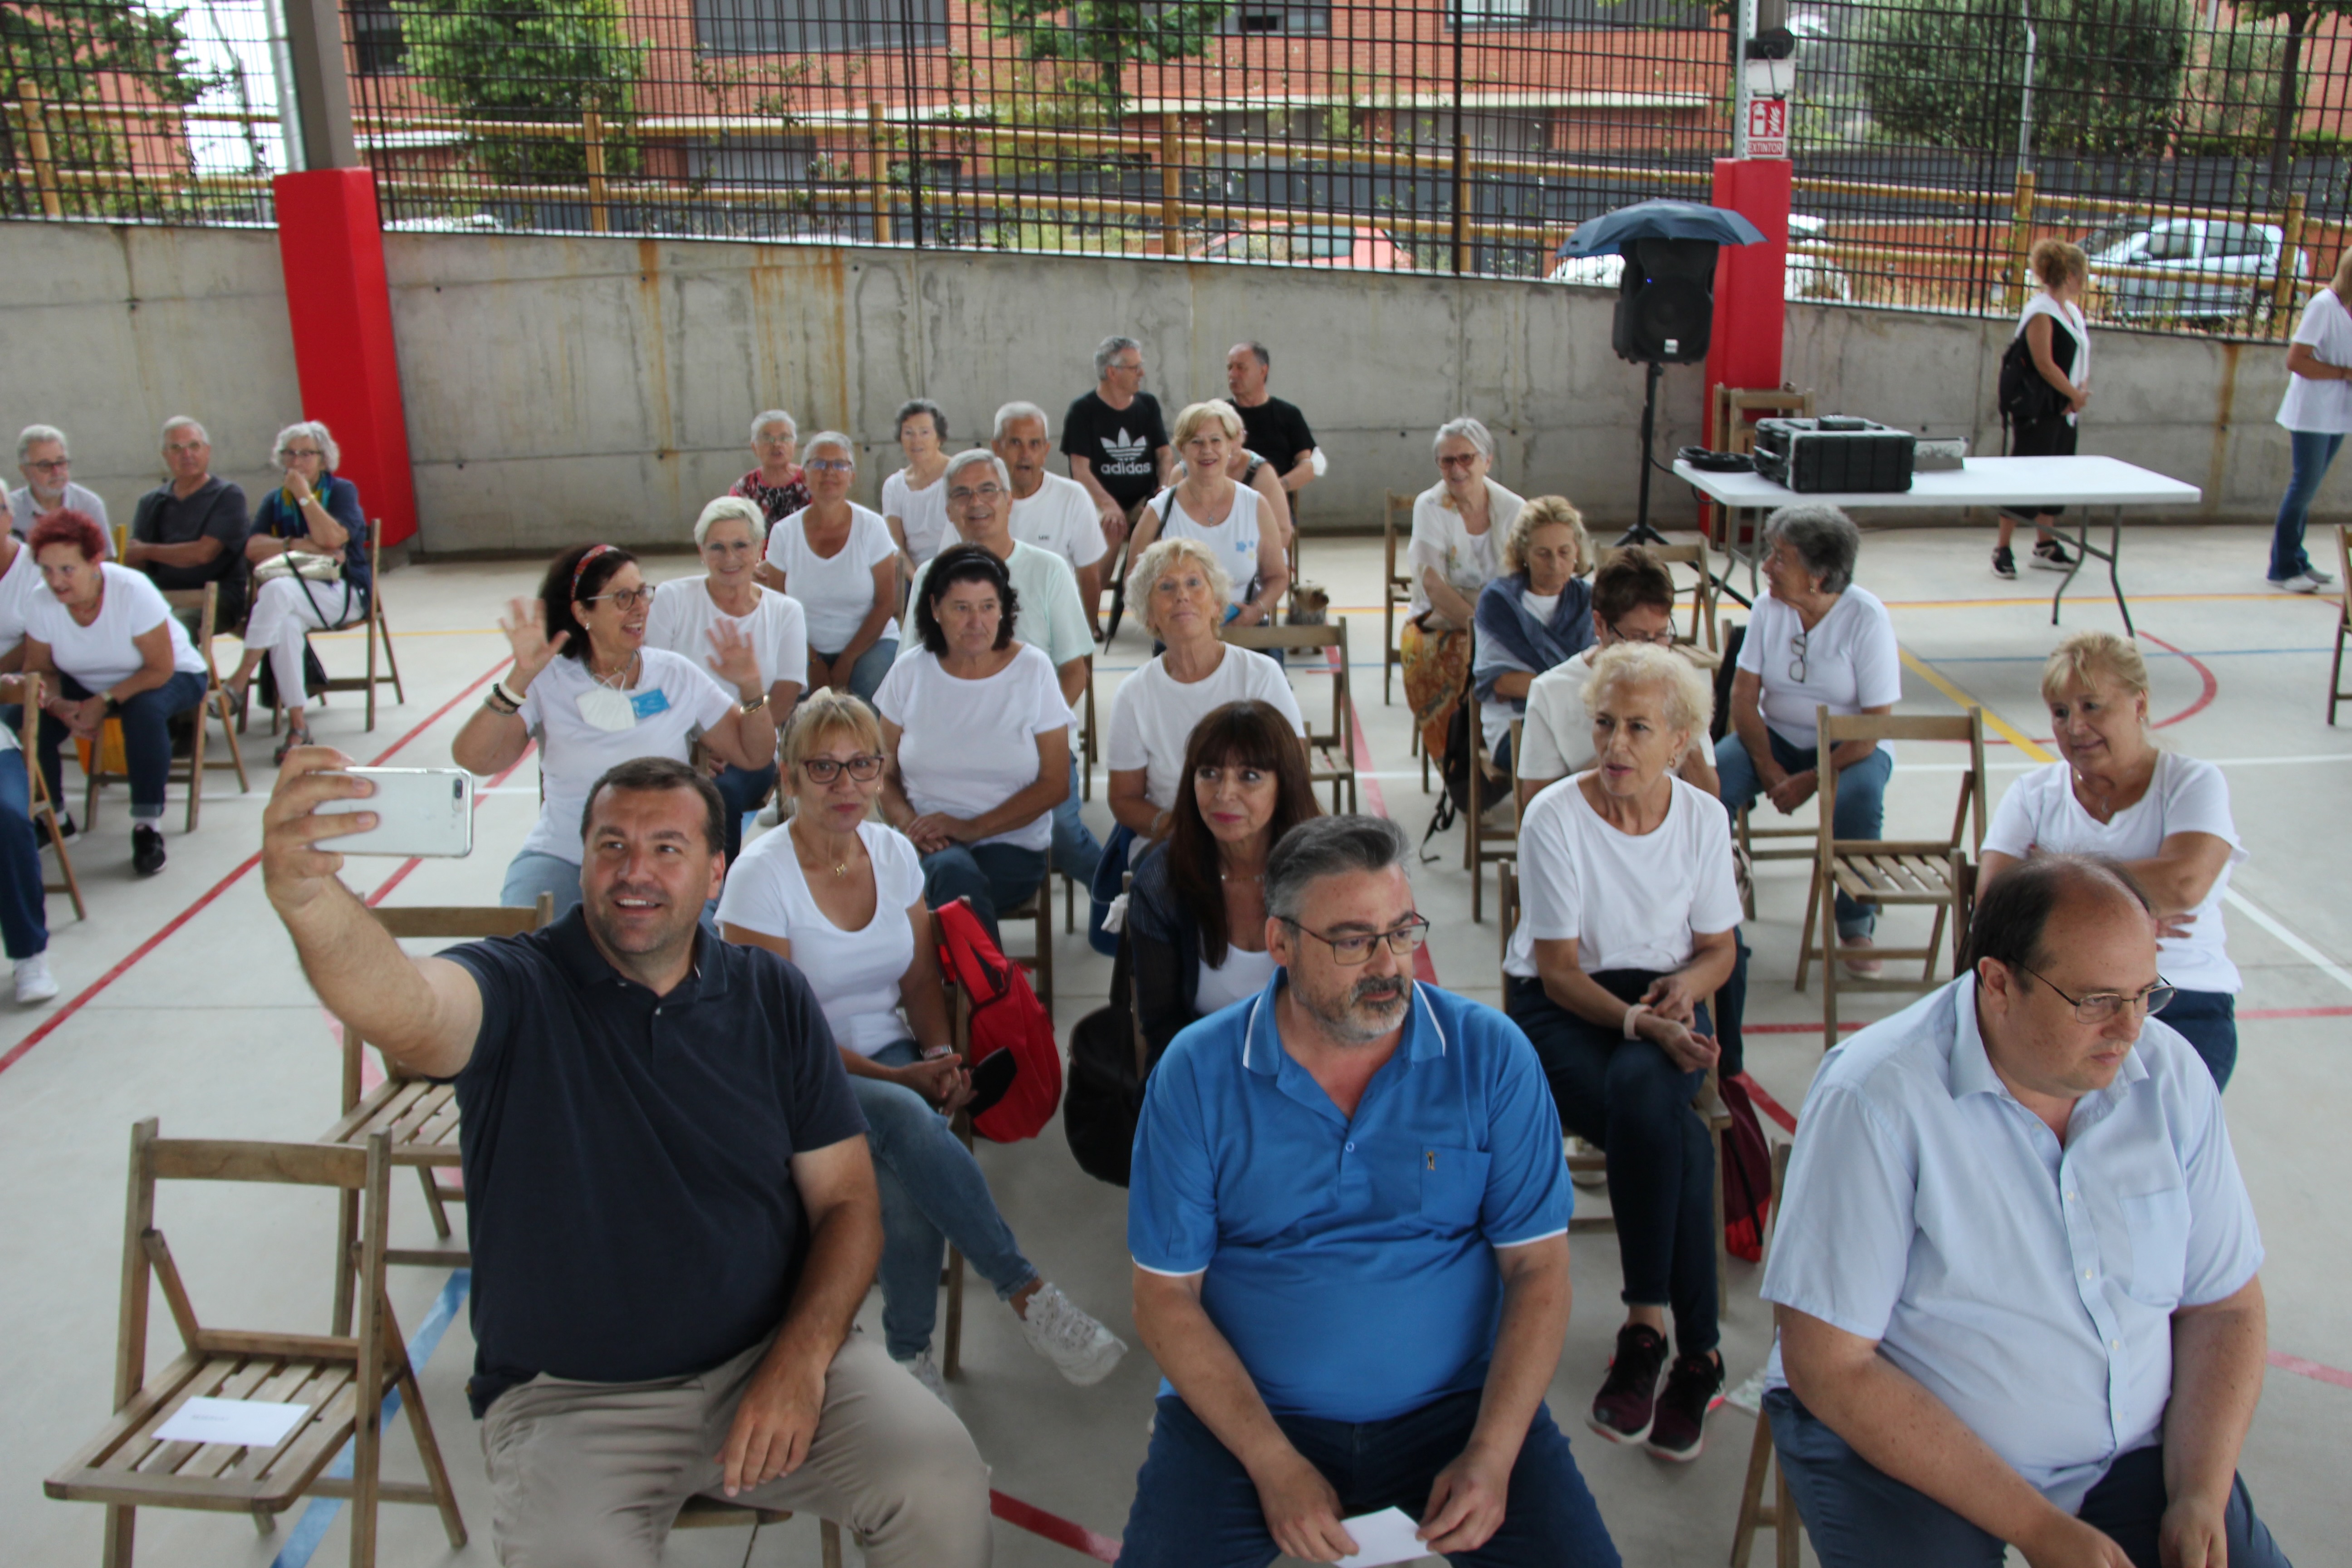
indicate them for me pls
(584, 684)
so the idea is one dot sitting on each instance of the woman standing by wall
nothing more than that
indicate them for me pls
(2058, 340)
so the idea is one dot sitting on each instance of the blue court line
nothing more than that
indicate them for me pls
(311, 1528)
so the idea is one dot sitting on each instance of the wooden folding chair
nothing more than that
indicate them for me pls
(189, 771)
(419, 1117)
(1038, 910)
(1746, 833)
(379, 629)
(2336, 692)
(1396, 588)
(1737, 410)
(1330, 752)
(43, 811)
(1479, 849)
(1089, 739)
(343, 1378)
(718, 1513)
(1779, 1516)
(1890, 872)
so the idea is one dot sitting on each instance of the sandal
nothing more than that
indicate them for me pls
(296, 735)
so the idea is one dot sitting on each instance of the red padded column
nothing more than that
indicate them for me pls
(332, 245)
(1749, 288)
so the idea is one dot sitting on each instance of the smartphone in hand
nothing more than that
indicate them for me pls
(418, 811)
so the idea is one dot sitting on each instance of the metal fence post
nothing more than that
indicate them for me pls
(1172, 185)
(36, 145)
(2283, 286)
(878, 150)
(591, 125)
(2021, 236)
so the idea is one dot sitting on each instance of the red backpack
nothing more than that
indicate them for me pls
(1006, 1017)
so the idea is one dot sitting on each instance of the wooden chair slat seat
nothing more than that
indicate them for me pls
(1330, 751)
(1396, 588)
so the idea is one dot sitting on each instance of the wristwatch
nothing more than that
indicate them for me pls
(753, 706)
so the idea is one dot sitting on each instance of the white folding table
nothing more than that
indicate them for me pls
(2081, 484)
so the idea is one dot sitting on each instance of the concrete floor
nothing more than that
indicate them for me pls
(182, 1000)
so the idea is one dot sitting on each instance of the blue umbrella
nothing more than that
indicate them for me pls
(1660, 220)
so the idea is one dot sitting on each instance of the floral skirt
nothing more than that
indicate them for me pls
(1436, 672)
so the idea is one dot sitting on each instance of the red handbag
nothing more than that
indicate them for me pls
(1007, 1021)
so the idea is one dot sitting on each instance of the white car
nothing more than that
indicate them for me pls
(2227, 267)
(1808, 275)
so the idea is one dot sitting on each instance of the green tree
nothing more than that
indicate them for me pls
(538, 61)
(63, 50)
(1101, 37)
(2107, 74)
(2299, 16)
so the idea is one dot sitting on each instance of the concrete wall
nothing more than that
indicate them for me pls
(564, 388)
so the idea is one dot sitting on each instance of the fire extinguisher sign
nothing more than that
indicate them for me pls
(1767, 127)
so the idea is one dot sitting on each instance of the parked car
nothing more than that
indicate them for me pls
(1808, 275)
(1308, 244)
(2227, 268)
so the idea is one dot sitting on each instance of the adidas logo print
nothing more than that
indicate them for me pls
(1125, 453)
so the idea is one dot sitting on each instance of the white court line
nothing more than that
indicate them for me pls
(2295, 943)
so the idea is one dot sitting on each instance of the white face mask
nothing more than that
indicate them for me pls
(608, 710)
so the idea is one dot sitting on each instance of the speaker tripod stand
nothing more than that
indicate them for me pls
(1642, 533)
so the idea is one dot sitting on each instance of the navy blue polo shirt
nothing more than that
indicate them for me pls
(629, 1194)
(1348, 1261)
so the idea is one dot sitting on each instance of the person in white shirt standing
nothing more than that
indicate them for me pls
(48, 468)
(2317, 414)
(1048, 510)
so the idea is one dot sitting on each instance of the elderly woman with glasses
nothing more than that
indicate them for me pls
(1630, 909)
(838, 559)
(2166, 817)
(1228, 517)
(1814, 640)
(778, 487)
(310, 559)
(840, 894)
(687, 615)
(584, 684)
(1458, 527)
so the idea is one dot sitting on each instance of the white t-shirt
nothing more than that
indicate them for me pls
(837, 592)
(962, 748)
(1628, 902)
(684, 616)
(1557, 739)
(1443, 542)
(1047, 613)
(1152, 715)
(1243, 975)
(2324, 407)
(676, 699)
(19, 586)
(2186, 797)
(1062, 518)
(1851, 662)
(1234, 541)
(102, 653)
(854, 973)
(923, 513)
(2070, 320)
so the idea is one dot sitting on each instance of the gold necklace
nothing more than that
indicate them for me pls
(840, 869)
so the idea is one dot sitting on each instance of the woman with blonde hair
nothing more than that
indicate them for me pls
(1539, 614)
(1228, 518)
(2059, 340)
(2318, 412)
(840, 893)
(2113, 793)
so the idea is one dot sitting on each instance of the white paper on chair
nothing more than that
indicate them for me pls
(241, 1422)
(1383, 1537)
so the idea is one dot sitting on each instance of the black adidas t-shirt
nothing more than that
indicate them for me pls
(1122, 444)
(1277, 432)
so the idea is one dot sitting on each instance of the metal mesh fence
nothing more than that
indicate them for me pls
(2195, 151)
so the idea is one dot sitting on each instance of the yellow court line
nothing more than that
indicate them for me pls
(1994, 721)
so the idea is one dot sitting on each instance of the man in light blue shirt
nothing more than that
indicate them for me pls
(2016, 1273)
(1348, 1216)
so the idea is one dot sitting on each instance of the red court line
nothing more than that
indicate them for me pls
(2204, 698)
(2310, 1368)
(1766, 1103)
(215, 890)
(1053, 1527)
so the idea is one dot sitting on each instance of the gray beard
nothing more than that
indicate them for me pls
(1342, 1024)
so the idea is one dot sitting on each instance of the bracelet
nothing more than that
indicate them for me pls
(1631, 1014)
(502, 702)
(753, 706)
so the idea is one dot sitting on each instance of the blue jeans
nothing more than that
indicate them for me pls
(2209, 1021)
(933, 1194)
(24, 909)
(866, 675)
(534, 872)
(1077, 852)
(146, 738)
(1860, 1516)
(742, 789)
(2313, 451)
(1860, 810)
(1196, 1507)
(993, 876)
(1625, 1098)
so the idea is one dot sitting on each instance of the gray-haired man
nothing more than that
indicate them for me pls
(1048, 510)
(48, 468)
(1114, 439)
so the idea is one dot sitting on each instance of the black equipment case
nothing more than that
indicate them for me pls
(1833, 453)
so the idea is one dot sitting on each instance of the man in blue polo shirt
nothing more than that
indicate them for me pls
(2016, 1271)
(672, 1212)
(1349, 1219)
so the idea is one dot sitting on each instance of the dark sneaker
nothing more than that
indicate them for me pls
(1622, 1410)
(2049, 555)
(1694, 1388)
(2004, 564)
(66, 831)
(146, 849)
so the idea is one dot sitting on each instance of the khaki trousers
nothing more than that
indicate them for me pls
(591, 1474)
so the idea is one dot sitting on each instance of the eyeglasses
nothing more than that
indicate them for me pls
(50, 465)
(2101, 1007)
(1664, 638)
(185, 449)
(825, 770)
(1797, 666)
(829, 466)
(623, 598)
(773, 440)
(985, 492)
(1463, 460)
(1125, 365)
(1352, 951)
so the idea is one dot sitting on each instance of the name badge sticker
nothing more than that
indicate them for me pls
(646, 704)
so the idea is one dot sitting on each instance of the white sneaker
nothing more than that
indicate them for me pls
(2323, 578)
(926, 1371)
(1081, 1349)
(2301, 583)
(34, 980)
